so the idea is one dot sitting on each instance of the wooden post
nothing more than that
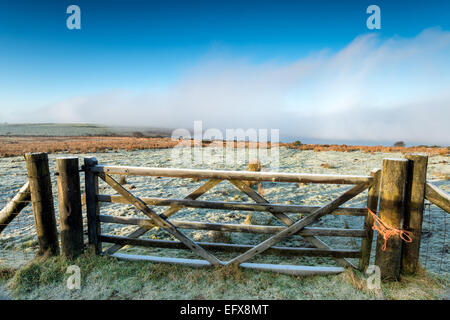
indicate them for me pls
(42, 201)
(92, 207)
(70, 214)
(415, 196)
(392, 194)
(372, 204)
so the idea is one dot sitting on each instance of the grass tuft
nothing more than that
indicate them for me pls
(109, 278)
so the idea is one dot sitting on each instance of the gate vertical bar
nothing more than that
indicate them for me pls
(415, 196)
(42, 201)
(372, 204)
(92, 207)
(69, 201)
(392, 196)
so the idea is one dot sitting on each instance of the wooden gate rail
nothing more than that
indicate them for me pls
(221, 205)
(307, 231)
(13, 208)
(233, 175)
(279, 211)
(287, 251)
(437, 196)
(297, 226)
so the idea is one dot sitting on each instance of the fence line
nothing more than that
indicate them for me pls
(309, 214)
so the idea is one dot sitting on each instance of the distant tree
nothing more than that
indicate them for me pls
(399, 144)
(138, 134)
(297, 143)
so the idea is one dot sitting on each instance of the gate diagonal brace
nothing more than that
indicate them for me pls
(243, 187)
(169, 212)
(166, 225)
(299, 225)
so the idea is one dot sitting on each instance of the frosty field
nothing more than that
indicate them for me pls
(434, 253)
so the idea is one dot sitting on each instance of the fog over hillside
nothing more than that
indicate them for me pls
(373, 89)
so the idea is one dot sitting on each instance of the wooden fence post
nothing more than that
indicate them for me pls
(415, 196)
(70, 213)
(392, 194)
(372, 204)
(42, 201)
(92, 207)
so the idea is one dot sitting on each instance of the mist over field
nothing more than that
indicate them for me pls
(373, 89)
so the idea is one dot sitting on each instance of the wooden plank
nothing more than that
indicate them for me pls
(13, 208)
(284, 251)
(221, 205)
(437, 196)
(161, 222)
(284, 218)
(329, 232)
(42, 200)
(393, 185)
(284, 269)
(92, 207)
(133, 235)
(372, 204)
(174, 208)
(69, 202)
(415, 197)
(234, 175)
(297, 226)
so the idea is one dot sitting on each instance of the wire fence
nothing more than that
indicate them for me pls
(434, 249)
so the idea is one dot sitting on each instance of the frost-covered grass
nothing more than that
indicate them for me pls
(108, 278)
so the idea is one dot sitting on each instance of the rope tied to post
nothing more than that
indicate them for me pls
(387, 231)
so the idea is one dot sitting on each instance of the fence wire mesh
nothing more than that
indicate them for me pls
(434, 249)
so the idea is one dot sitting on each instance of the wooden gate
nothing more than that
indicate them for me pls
(301, 226)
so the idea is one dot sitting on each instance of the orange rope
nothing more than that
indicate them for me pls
(387, 231)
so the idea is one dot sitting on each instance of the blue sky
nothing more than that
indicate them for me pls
(145, 55)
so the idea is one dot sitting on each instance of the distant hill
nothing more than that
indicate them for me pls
(78, 129)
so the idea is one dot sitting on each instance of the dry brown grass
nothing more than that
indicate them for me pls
(19, 145)
(11, 146)
(328, 166)
(433, 150)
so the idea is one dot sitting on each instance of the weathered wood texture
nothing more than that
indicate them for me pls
(13, 208)
(437, 196)
(372, 204)
(283, 217)
(160, 221)
(297, 226)
(414, 204)
(392, 194)
(221, 205)
(328, 232)
(233, 175)
(92, 206)
(174, 208)
(42, 201)
(285, 251)
(70, 213)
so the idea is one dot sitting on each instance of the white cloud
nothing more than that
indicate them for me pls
(373, 89)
